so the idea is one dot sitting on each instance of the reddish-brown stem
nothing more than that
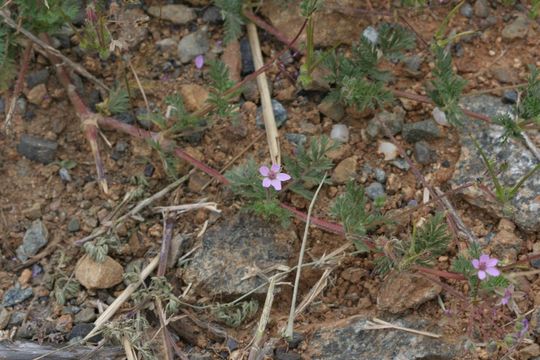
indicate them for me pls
(269, 29)
(168, 225)
(18, 85)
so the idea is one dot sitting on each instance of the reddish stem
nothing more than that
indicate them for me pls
(269, 29)
(19, 84)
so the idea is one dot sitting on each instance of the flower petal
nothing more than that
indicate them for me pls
(283, 177)
(493, 271)
(492, 262)
(476, 263)
(481, 275)
(264, 170)
(275, 168)
(276, 184)
(266, 182)
(484, 258)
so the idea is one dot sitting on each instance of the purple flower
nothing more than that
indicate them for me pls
(508, 292)
(524, 328)
(272, 176)
(91, 14)
(486, 266)
(199, 61)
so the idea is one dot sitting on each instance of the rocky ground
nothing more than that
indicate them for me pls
(50, 198)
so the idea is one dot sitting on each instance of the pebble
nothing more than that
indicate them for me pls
(299, 140)
(81, 330)
(481, 8)
(413, 63)
(510, 97)
(458, 50)
(331, 108)
(440, 117)
(74, 225)
(504, 75)
(389, 150)
(401, 164)
(37, 77)
(64, 174)
(21, 105)
(94, 275)
(466, 10)
(141, 115)
(175, 13)
(340, 132)
(194, 96)
(421, 130)
(34, 239)
(345, 170)
(17, 318)
(380, 175)
(194, 44)
(166, 45)
(393, 121)
(371, 34)
(37, 149)
(16, 295)
(2, 106)
(517, 29)
(280, 114)
(86, 315)
(247, 60)
(423, 153)
(5, 315)
(212, 15)
(375, 190)
(37, 94)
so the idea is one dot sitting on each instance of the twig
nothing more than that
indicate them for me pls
(18, 87)
(168, 225)
(270, 126)
(164, 331)
(265, 315)
(290, 324)
(378, 324)
(141, 89)
(111, 310)
(212, 206)
(314, 291)
(128, 349)
(460, 225)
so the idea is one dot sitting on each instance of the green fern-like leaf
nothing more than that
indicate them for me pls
(50, 16)
(220, 84)
(394, 39)
(231, 10)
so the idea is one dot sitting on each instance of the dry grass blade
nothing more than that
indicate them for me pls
(267, 112)
(212, 206)
(130, 352)
(314, 292)
(378, 324)
(265, 315)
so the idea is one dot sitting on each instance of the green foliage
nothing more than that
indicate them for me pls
(159, 289)
(529, 107)
(446, 86)
(99, 248)
(231, 11)
(7, 61)
(65, 288)
(95, 37)
(236, 315)
(535, 9)
(308, 7)
(350, 209)
(182, 119)
(220, 85)
(307, 168)
(394, 39)
(136, 331)
(116, 103)
(46, 16)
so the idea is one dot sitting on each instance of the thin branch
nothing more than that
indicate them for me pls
(18, 86)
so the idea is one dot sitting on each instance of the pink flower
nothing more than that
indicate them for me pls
(272, 176)
(199, 61)
(507, 295)
(91, 14)
(486, 266)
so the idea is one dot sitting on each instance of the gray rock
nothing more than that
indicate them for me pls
(525, 207)
(81, 330)
(225, 265)
(458, 49)
(5, 315)
(16, 295)
(21, 105)
(371, 34)
(423, 153)
(166, 44)
(421, 130)
(413, 64)
(17, 318)
(351, 339)
(280, 114)
(375, 190)
(332, 108)
(481, 8)
(401, 164)
(247, 60)
(505, 75)
(510, 97)
(194, 44)
(392, 120)
(74, 225)
(380, 175)
(126, 118)
(466, 10)
(37, 149)
(37, 77)
(340, 132)
(297, 139)
(34, 239)
(175, 13)
(2, 106)
(64, 174)
(517, 29)
(86, 315)
(212, 15)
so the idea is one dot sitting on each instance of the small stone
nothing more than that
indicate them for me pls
(529, 352)
(401, 164)
(466, 10)
(423, 153)
(371, 34)
(74, 225)
(212, 15)
(25, 277)
(299, 140)
(403, 291)
(389, 150)
(64, 174)
(510, 97)
(296, 339)
(175, 13)
(233, 59)
(505, 75)
(331, 108)
(37, 94)
(458, 50)
(81, 330)
(440, 117)
(34, 239)
(247, 60)
(37, 149)
(340, 132)
(2, 106)
(5, 315)
(141, 115)
(481, 8)
(506, 245)
(517, 29)
(345, 170)
(413, 65)
(94, 275)
(34, 212)
(380, 175)
(126, 118)
(21, 105)
(375, 190)
(392, 120)
(280, 114)
(17, 318)
(194, 44)
(16, 295)
(194, 96)
(148, 170)
(166, 45)
(37, 77)
(421, 130)
(86, 315)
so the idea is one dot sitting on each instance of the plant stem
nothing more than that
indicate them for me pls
(18, 86)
